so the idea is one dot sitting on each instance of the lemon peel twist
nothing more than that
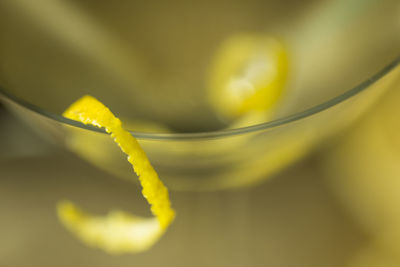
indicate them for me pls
(118, 232)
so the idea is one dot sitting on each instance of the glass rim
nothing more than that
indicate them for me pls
(224, 132)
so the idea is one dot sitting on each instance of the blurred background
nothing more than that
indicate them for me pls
(320, 191)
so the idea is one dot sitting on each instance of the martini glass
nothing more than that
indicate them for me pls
(149, 63)
(150, 69)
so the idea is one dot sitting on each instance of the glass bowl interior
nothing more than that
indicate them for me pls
(150, 64)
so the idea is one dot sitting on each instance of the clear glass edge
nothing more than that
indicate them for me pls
(221, 133)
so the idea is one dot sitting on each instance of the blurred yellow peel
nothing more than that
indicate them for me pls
(118, 232)
(248, 75)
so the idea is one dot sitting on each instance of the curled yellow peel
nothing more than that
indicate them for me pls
(118, 232)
